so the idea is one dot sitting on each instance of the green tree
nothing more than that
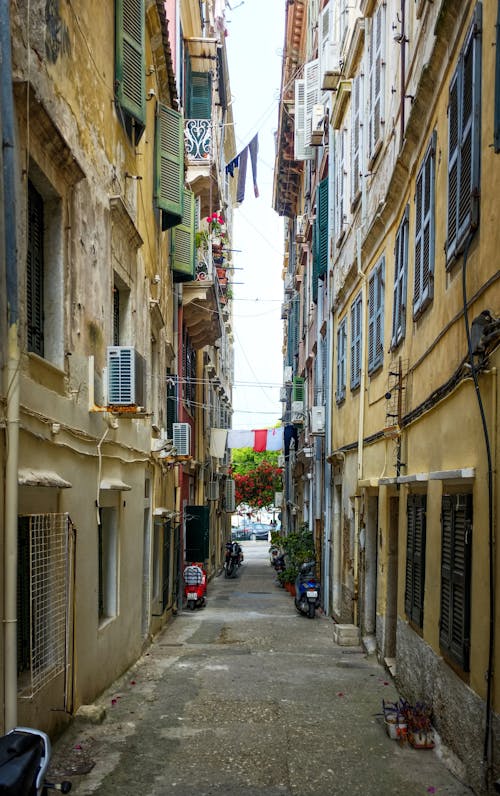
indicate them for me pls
(257, 477)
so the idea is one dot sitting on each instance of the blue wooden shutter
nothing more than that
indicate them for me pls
(35, 272)
(356, 322)
(400, 269)
(415, 558)
(169, 164)
(130, 70)
(183, 256)
(456, 546)
(464, 114)
(341, 360)
(376, 317)
(424, 232)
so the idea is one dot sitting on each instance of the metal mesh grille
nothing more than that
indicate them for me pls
(50, 557)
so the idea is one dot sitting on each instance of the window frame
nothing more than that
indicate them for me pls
(425, 224)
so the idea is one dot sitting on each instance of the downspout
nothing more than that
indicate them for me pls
(12, 380)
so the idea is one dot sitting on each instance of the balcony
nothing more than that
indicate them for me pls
(205, 298)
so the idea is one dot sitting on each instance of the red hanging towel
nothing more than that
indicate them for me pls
(260, 441)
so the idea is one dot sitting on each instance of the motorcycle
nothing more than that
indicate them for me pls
(234, 558)
(273, 554)
(24, 760)
(307, 590)
(195, 590)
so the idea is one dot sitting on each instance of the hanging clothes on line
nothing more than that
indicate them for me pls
(240, 162)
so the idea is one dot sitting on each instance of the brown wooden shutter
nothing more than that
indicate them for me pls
(415, 558)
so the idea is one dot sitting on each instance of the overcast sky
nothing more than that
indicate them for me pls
(255, 45)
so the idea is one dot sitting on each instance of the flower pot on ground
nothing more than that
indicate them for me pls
(420, 730)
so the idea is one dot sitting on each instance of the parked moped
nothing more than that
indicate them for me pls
(307, 590)
(24, 760)
(195, 585)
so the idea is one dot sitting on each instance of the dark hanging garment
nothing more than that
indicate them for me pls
(254, 148)
(242, 175)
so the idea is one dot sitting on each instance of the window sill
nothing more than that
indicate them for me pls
(46, 373)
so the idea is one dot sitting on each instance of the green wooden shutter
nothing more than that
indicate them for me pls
(298, 389)
(197, 533)
(34, 271)
(456, 546)
(184, 251)
(200, 96)
(169, 172)
(415, 558)
(322, 216)
(130, 69)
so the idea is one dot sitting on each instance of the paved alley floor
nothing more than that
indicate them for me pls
(245, 697)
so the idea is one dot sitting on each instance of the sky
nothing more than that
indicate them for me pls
(255, 45)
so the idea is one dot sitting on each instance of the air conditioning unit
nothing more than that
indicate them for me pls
(283, 394)
(281, 463)
(317, 420)
(317, 125)
(285, 308)
(297, 413)
(288, 284)
(182, 438)
(287, 374)
(213, 490)
(125, 378)
(230, 495)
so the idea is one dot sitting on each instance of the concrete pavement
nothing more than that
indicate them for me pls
(247, 698)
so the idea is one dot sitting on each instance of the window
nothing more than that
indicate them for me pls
(456, 546)
(376, 87)
(171, 403)
(341, 360)
(198, 93)
(169, 165)
(356, 330)
(44, 271)
(464, 112)
(423, 289)
(121, 312)
(108, 563)
(340, 184)
(45, 556)
(415, 558)
(400, 272)
(376, 317)
(130, 67)
(189, 375)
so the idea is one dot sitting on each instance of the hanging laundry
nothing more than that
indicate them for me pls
(242, 175)
(218, 437)
(253, 148)
(242, 158)
(274, 439)
(240, 439)
(260, 442)
(234, 164)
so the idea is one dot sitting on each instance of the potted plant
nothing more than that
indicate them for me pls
(418, 720)
(395, 719)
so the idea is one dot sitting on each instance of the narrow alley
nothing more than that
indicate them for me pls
(247, 697)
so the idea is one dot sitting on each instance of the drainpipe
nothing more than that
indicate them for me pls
(12, 381)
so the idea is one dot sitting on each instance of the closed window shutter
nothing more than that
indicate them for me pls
(341, 360)
(322, 221)
(298, 389)
(184, 250)
(456, 546)
(300, 152)
(376, 317)
(400, 268)
(171, 404)
(339, 198)
(376, 80)
(200, 96)
(356, 342)
(415, 558)
(355, 139)
(311, 95)
(130, 70)
(424, 232)
(34, 272)
(169, 172)
(464, 112)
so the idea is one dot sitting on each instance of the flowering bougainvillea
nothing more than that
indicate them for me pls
(256, 487)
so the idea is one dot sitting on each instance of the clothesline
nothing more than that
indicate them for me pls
(240, 162)
(262, 439)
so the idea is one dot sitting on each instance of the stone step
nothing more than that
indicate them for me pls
(347, 635)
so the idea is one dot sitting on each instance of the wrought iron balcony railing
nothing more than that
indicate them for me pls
(198, 140)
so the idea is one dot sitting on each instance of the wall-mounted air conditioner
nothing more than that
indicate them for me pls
(126, 370)
(283, 394)
(285, 308)
(317, 420)
(287, 374)
(213, 490)
(288, 284)
(317, 125)
(181, 433)
(297, 413)
(230, 495)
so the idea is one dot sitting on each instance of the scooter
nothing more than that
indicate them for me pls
(24, 760)
(234, 558)
(273, 554)
(307, 590)
(196, 593)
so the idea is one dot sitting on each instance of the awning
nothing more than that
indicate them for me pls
(29, 477)
(108, 484)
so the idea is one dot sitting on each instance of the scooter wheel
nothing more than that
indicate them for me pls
(312, 611)
(192, 605)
